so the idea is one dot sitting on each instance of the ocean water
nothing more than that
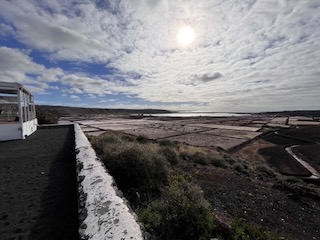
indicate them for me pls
(199, 114)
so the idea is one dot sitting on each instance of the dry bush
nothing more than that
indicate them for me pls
(247, 231)
(46, 117)
(203, 157)
(135, 167)
(240, 168)
(182, 212)
(265, 170)
(217, 160)
(170, 154)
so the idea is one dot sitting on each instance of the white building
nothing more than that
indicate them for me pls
(17, 112)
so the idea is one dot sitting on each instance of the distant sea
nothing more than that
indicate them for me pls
(199, 114)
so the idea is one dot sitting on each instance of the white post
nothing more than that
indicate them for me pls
(24, 107)
(20, 112)
(27, 103)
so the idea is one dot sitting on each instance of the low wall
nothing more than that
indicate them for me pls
(14, 131)
(10, 131)
(103, 212)
(29, 127)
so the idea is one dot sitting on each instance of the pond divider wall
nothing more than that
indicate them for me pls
(103, 212)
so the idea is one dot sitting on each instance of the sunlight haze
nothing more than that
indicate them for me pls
(186, 36)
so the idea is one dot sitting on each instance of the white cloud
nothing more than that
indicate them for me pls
(247, 55)
(92, 96)
(75, 97)
(17, 66)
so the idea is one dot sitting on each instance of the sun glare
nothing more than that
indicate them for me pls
(185, 36)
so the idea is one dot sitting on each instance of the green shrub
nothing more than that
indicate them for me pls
(201, 158)
(128, 138)
(291, 179)
(194, 156)
(46, 117)
(142, 139)
(218, 163)
(151, 216)
(240, 168)
(101, 142)
(248, 231)
(217, 160)
(229, 159)
(169, 143)
(182, 213)
(185, 155)
(136, 166)
(197, 155)
(170, 154)
(266, 170)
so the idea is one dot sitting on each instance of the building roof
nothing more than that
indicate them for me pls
(12, 88)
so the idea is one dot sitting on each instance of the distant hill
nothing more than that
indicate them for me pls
(305, 113)
(72, 111)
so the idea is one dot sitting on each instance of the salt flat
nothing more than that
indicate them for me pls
(207, 140)
(233, 133)
(230, 127)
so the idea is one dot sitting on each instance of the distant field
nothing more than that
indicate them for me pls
(309, 153)
(283, 162)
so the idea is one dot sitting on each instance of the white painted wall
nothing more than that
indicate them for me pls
(10, 131)
(14, 130)
(29, 127)
(107, 214)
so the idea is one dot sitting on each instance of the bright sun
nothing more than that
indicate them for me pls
(185, 36)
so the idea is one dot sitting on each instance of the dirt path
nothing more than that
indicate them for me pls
(313, 171)
(38, 186)
(250, 152)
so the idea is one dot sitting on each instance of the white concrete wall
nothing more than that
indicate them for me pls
(14, 131)
(10, 131)
(29, 127)
(103, 212)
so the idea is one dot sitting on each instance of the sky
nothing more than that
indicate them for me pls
(245, 55)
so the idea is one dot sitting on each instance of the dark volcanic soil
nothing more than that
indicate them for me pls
(310, 154)
(38, 186)
(283, 162)
(307, 133)
(274, 206)
(281, 140)
(278, 157)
